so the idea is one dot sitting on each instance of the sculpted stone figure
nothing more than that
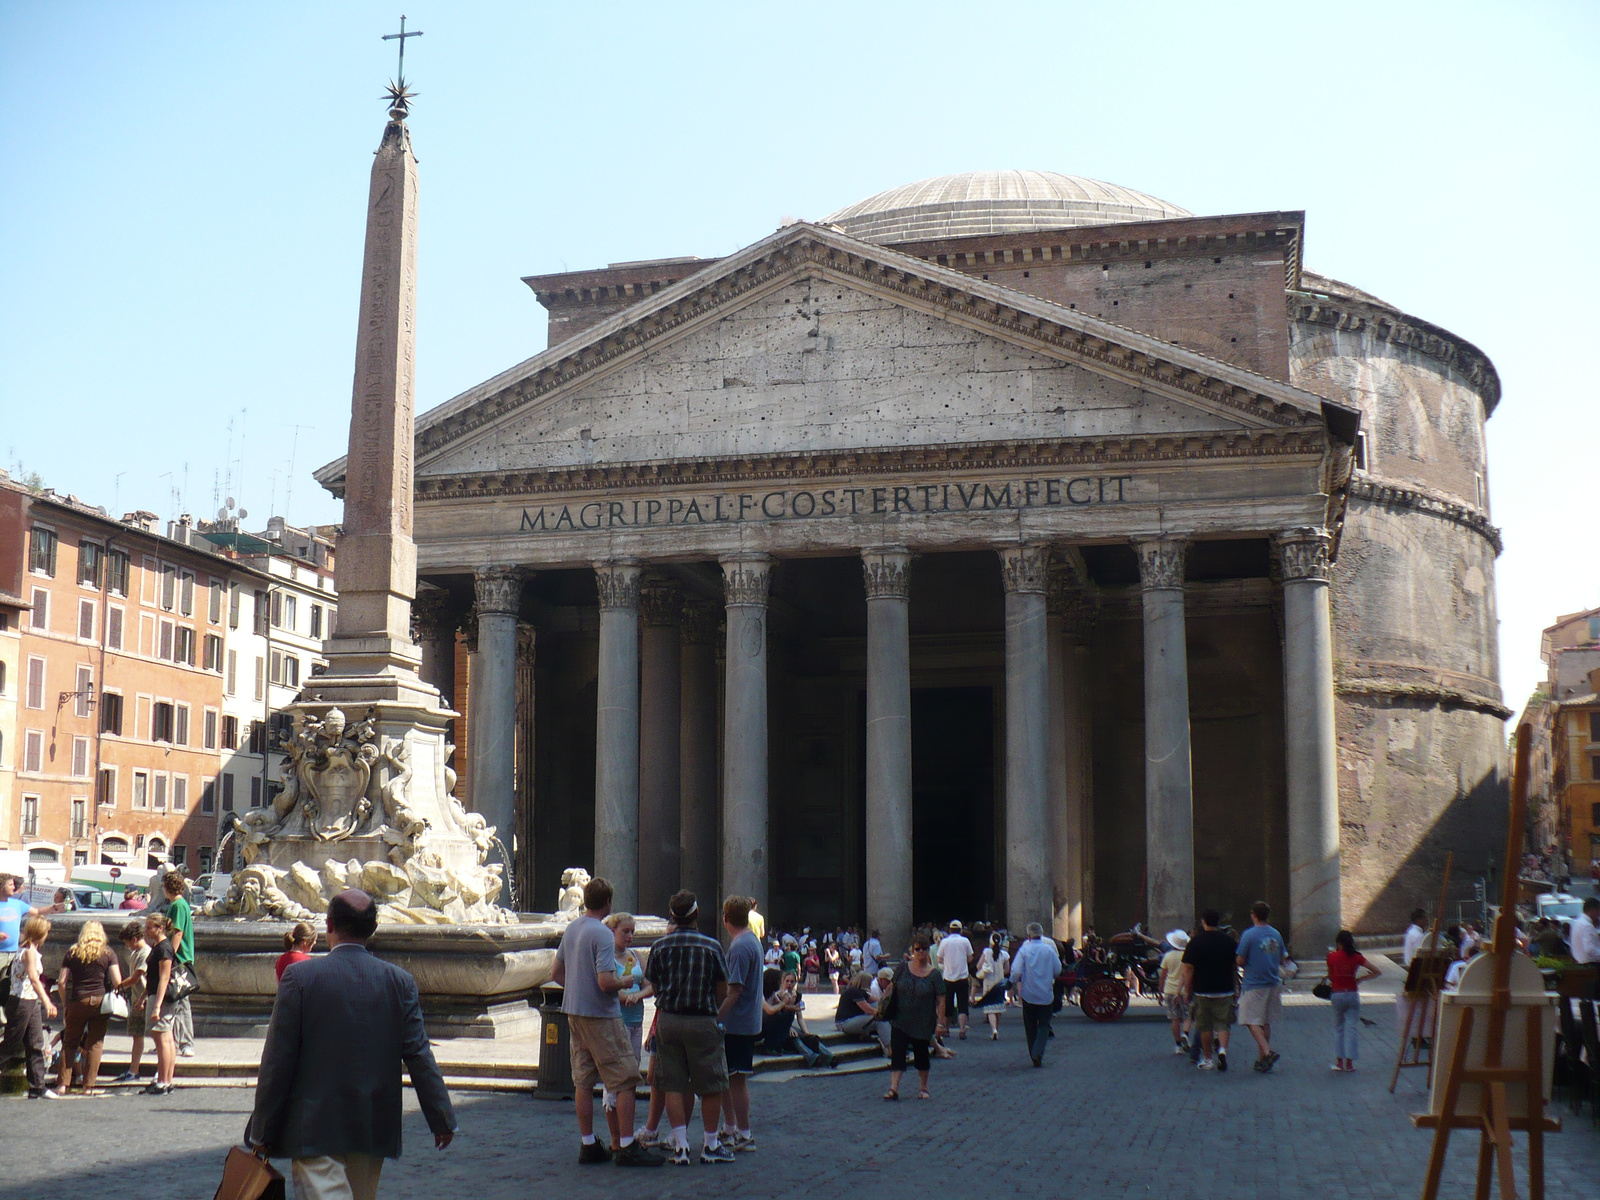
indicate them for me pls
(570, 902)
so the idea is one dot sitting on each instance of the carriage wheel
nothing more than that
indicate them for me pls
(1106, 999)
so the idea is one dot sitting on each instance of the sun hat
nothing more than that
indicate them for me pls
(1178, 939)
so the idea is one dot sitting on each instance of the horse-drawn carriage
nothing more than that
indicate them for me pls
(1098, 980)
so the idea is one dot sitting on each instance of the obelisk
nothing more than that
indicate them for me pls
(371, 655)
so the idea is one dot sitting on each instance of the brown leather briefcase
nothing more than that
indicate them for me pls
(247, 1176)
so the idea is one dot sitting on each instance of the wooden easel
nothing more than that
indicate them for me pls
(1424, 978)
(1494, 1118)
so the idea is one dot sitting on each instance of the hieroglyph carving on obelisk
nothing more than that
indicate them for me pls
(377, 561)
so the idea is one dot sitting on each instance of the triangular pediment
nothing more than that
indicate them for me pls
(812, 341)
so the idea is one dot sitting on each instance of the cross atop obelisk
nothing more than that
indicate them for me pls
(371, 655)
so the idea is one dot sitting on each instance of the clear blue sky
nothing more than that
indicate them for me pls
(182, 188)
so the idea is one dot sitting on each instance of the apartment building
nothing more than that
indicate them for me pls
(121, 653)
(1564, 776)
(12, 611)
(277, 627)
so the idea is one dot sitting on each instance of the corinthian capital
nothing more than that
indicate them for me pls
(1161, 562)
(497, 590)
(887, 572)
(617, 583)
(1303, 553)
(746, 579)
(699, 624)
(1025, 569)
(660, 603)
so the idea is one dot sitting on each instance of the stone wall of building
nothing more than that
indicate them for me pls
(1421, 736)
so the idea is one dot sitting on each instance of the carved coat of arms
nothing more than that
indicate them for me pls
(333, 763)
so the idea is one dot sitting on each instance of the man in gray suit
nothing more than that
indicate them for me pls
(328, 1093)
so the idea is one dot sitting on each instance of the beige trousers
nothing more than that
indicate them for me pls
(336, 1177)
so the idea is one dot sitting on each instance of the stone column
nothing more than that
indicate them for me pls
(660, 731)
(616, 771)
(697, 762)
(1168, 785)
(527, 644)
(1077, 626)
(433, 628)
(494, 703)
(744, 783)
(1310, 748)
(1071, 618)
(887, 573)
(1027, 865)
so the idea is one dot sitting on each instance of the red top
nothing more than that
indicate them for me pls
(288, 959)
(1342, 969)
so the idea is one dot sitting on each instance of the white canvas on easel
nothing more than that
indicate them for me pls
(1527, 991)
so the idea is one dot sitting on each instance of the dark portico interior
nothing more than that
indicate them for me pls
(817, 688)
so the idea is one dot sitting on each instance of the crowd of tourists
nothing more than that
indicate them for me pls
(146, 979)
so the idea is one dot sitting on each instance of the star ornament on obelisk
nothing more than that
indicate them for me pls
(371, 656)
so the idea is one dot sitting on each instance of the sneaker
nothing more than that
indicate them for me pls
(648, 1138)
(189, 1053)
(1183, 1041)
(741, 1143)
(716, 1154)
(593, 1152)
(1222, 1060)
(1038, 1062)
(126, 1077)
(1270, 1061)
(1179, 1048)
(680, 1157)
(35, 1093)
(1206, 1064)
(150, 1089)
(635, 1155)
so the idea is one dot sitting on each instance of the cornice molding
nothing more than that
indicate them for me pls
(1350, 315)
(844, 464)
(1407, 496)
(1436, 693)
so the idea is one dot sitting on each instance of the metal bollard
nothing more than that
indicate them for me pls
(555, 1048)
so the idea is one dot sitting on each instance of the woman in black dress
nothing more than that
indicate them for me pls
(916, 1016)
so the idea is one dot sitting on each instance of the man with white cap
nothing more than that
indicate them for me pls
(955, 959)
(1170, 983)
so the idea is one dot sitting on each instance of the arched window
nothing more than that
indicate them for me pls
(2, 679)
(43, 854)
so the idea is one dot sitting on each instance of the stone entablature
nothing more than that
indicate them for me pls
(1363, 486)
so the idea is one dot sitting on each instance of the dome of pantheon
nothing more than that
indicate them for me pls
(995, 202)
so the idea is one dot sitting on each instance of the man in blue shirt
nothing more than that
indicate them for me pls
(1261, 1002)
(1034, 972)
(740, 1014)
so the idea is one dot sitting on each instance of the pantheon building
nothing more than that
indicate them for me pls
(1007, 545)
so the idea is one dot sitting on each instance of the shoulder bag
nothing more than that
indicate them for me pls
(114, 1004)
(181, 984)
(1323, 990)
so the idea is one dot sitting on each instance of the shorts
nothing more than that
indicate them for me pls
(958, 991)
(164, 1025)
(1260, 1006)
(739, 1049)
(690, 1055)
(602, 1052)
(1177, 1007)
(136, 1022)
(1213, 1012)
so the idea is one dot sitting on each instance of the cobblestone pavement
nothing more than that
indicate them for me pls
(1113, 1113)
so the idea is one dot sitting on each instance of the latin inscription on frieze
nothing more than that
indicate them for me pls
(805, 504)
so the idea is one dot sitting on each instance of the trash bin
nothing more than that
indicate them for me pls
(555, 1048)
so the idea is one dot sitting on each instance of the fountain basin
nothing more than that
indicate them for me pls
(475, 980)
